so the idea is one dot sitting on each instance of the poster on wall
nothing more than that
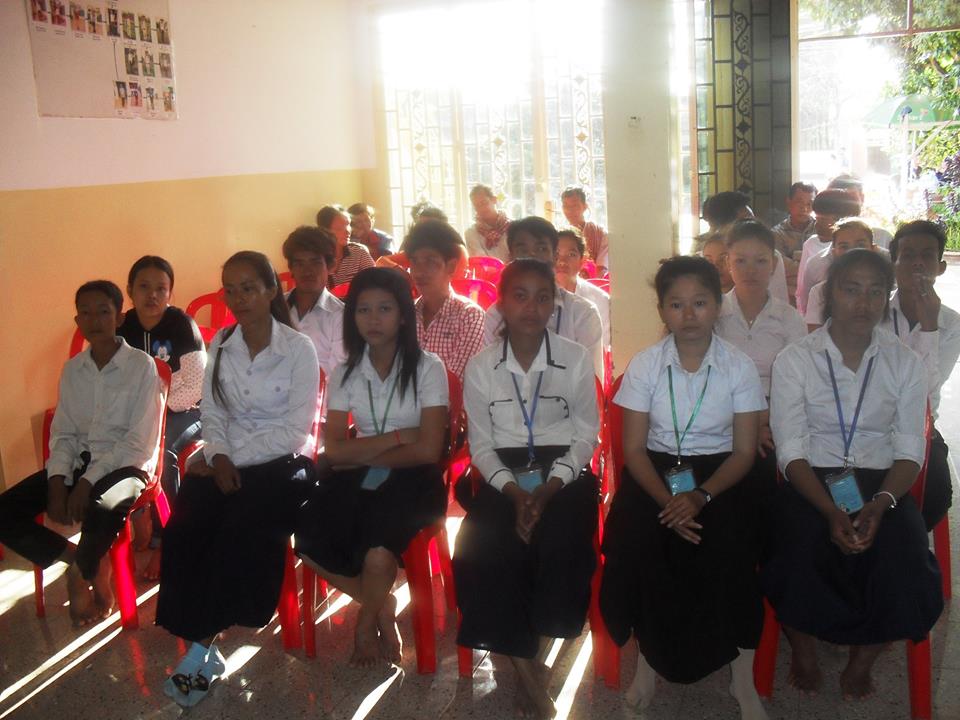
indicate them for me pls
(111, 58)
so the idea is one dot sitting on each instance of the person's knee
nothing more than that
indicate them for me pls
(379, 560)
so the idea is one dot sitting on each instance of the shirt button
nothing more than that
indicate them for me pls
(249, 372)
(277, 388)
(749, 337)
(246, 392)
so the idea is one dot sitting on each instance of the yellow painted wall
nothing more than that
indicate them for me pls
(53, 240)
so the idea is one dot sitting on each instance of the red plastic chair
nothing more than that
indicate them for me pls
(77, 343)
(601, 283)
(918, 654)
(121, 552)
(220, 315)
(485, 268)
(941, 546)
(588, 269)
(286, 281)
(482, 292)
(341, 290)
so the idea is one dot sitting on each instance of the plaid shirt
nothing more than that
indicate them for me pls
(455, 333)
(356, 257)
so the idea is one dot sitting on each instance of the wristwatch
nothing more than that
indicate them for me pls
(705, 493)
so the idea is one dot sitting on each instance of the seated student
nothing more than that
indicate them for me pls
(720, 210)
(488, 235)
(351, 257)
(423, 211)
(751, 319)
(570, 256)
(225, 543)
(386, 483)
(103, 447)
(829, 206)
(853, 185)
(169, 334)
(791, 232)
(715, 252)
(310, 252)
(362, 231)
(848, 234)
(574, 202)
(574, 317)
(680, 548)
(849, 562)
(927, 326)
(524, 556)
(448, 324)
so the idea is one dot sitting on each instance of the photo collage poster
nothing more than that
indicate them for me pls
(112, 58)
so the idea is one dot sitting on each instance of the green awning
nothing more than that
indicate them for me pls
(916, 110)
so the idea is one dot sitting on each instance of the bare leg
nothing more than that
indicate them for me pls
(376, 580)
(524, 702)
(805, 672)
(644, 685)
(743, 689)
(152, 571)
(142, 523)
(391, 644)
(856, 683)
(102, 589)
(531, 678)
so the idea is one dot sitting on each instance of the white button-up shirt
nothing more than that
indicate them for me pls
(601, 299)
(811, 246)
(354, 395)
(566, 406)
(113, 413)
(574, 318)
(938, 350)
(803, 410)
(323, 324)
(269, 402)
(777, 325)
(734, 387)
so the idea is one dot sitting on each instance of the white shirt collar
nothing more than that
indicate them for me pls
(278, 339)
(544, 359)
(370, 373)
(119, 359)
(671, 355)
(821, 340)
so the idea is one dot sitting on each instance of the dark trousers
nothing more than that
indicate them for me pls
(182, 428)
(938, 491)
(111, 498)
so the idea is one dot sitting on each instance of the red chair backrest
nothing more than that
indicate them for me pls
(482, 292)
(456, 406)
(220, 315)
(485, 268)
(341, 290)
(588, 269)
(77, 343)
(601, 283)
(919, 485)
(286, 281)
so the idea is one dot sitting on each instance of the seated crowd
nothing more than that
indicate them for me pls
(770, 440)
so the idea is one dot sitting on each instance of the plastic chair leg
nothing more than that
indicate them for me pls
(918, 671)
(162, 504)
(446, 567)
(121, 561)
(38, 591)
(308, 580)
(289, 607)
(765, 659)
(464, 656)
(941, 545)
(416, 560)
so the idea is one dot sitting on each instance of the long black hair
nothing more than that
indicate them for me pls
(408, 347)
(278, 307)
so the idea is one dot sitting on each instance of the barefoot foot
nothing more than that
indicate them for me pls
(152, 571)
(366, 651)
(856, 685)
(83, 610)
(805, 674)
(641, 691)
(391, 644)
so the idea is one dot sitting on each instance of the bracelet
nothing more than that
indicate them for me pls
(893, 498)
(396, 434)
(706, 494)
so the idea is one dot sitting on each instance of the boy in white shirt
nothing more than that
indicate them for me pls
(104, 443)
(570, 251)
(829, 206)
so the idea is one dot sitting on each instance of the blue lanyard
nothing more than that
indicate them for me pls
(528, 419)
(848, 440)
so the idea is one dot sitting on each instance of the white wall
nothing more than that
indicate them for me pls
(263, 87)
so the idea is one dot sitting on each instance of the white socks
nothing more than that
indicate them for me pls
(641, 690)
(743, 689)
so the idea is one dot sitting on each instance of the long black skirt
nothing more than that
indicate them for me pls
(223, 555)
(689, 606)
(341, 521)
(511, 593)
(890, 592)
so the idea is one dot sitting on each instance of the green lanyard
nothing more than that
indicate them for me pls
(382, 426)
(673, 408)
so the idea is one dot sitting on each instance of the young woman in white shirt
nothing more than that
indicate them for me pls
(224, 546)
(849, 562)
(680, 543)
(386, 483)
(524, 555)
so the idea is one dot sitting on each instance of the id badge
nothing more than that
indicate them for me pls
(529, 478)
(375, 477)
(845, 491)
(680, 479)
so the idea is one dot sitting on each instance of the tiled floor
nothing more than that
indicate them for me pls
(49, 670)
